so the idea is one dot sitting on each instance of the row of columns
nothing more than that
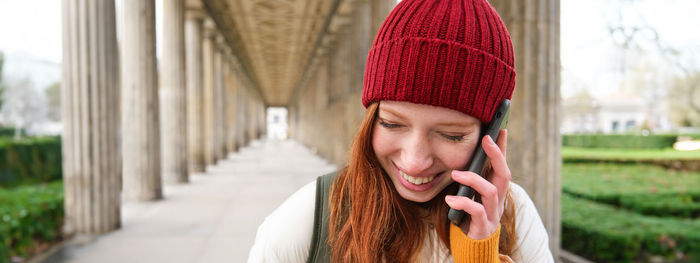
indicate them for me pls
(128, 130)
(333, 88)
(326, 108)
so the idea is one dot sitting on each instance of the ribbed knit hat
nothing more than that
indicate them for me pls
(455, 54)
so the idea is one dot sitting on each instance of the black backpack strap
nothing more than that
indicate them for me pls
(320, 248)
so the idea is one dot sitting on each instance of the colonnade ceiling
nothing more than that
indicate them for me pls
(278, 36)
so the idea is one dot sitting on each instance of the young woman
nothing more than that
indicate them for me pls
(435, 74)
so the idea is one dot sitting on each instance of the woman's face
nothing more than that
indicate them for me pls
(419, 145)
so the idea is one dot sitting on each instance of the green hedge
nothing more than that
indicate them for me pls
(29, 161)
(10, 132)
(605, 234)
(678, 205)
(29, 214)
(645, 189)
(656, 141)
(661, 205)
(577, 154)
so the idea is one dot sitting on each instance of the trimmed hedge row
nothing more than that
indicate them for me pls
(679, 205)
(645, 189)
(9, 132)
(29, 214)
(578, 154)
(605, 234)
(623, 141)
(680, 165)
(30, 161)
(661, 205)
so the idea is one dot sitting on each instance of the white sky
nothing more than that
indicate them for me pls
(32, 27)
(587, 51)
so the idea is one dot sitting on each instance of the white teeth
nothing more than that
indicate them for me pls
(417, 180)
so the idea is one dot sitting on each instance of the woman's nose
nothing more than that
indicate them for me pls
(416, 155)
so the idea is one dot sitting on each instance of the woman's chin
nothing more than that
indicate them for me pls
(418, 197)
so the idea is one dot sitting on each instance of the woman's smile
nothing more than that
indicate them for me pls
(417, 183)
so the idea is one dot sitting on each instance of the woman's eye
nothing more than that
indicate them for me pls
(454, 138)
(389, 125)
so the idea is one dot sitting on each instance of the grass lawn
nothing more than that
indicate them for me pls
(627, 154)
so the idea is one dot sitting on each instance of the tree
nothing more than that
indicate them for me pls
(53, 93)
(24, 107)
(639, 39)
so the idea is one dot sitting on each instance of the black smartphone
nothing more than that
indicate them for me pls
(476, 164)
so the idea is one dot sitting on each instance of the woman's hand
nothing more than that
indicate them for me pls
(485, 216)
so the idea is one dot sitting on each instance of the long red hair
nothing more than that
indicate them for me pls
(370, 222)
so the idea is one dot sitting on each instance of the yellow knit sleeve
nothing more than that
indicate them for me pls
(465, 249)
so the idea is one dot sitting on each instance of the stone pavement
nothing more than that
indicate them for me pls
(214, 218)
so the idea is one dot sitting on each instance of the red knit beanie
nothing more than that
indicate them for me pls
(455, 54)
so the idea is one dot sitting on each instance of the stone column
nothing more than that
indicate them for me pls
(219, 113)
(250, 120)
(343, 81)
(172, 92)
(216, 125)
(90, 114)
(195, 122)
(224, 105)
(311, 102)
(209, 80)
(245, 115)
(140, 130)
(534, 140)
(359, 47)
(380, 9)
(323, 107)
(240, 115)
(258, 119)
(292, 109)
(231, 86)
(263, 118)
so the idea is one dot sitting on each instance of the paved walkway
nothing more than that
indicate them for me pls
(212, 219)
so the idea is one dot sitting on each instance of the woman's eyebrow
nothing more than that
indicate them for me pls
(391, 112)
(398, 115)
(455, 124)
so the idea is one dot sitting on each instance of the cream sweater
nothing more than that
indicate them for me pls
(285, 235)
